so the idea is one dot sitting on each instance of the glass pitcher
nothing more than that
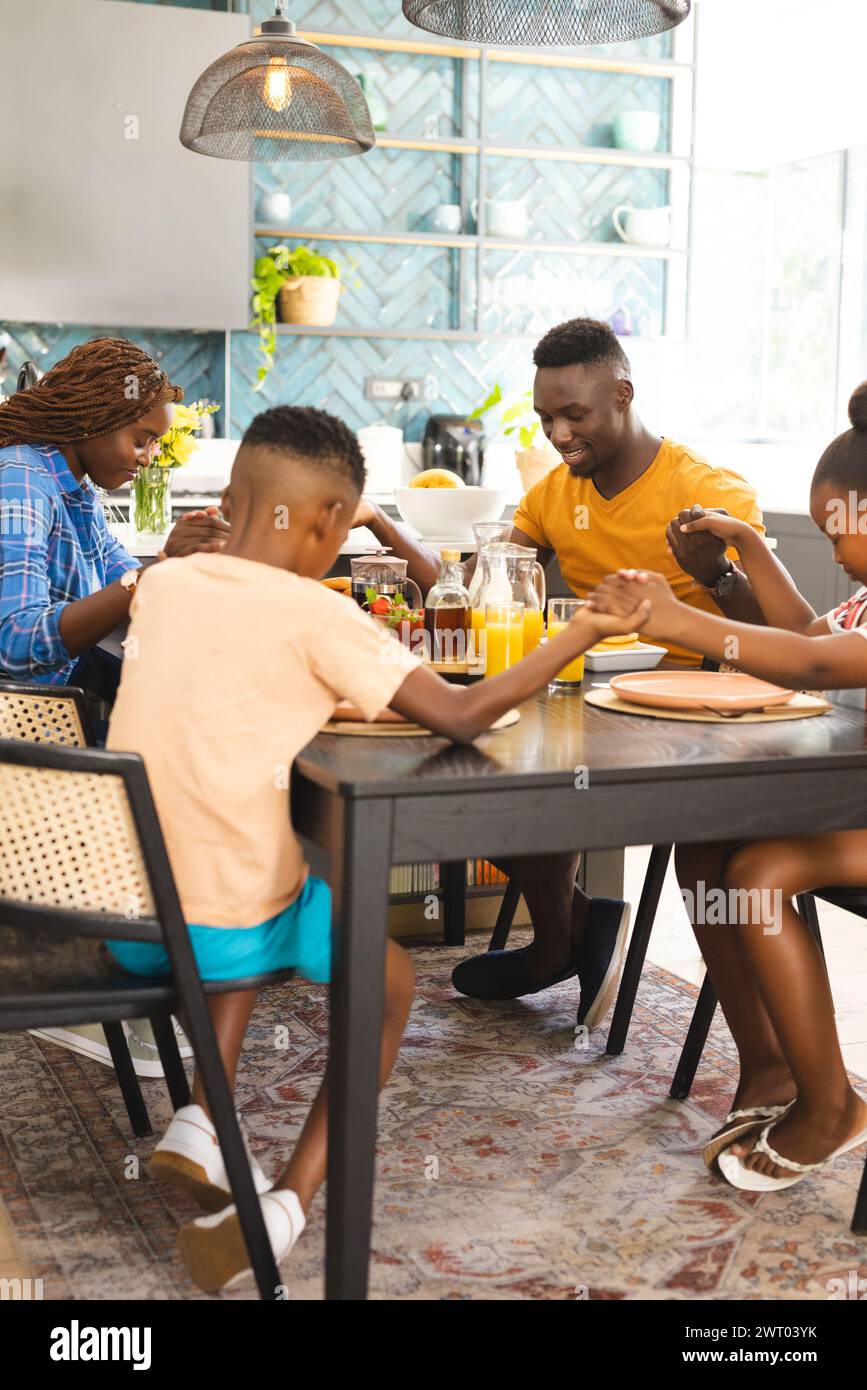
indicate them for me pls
(528, 587)
(382, 587)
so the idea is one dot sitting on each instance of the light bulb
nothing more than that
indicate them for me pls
(277, 92)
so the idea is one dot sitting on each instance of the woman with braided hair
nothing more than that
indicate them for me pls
(65, 582)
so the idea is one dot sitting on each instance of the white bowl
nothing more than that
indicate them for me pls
(642, 657)
(449, 513)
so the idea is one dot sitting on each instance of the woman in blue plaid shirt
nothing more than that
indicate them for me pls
(65, 582)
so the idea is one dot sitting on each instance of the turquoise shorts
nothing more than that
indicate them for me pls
(298, 938)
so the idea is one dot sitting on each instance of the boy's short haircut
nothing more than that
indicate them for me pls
(313, 437)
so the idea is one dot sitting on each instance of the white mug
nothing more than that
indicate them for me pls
(637, 130)
(505, 218)
(644, 226)
(275, 208)
(448, 218)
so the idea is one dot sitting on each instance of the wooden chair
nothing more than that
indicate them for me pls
(58, 714)
(82, 858)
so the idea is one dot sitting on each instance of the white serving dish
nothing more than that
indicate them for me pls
(448, 513)
(642, 657)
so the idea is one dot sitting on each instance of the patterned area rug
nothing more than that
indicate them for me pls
(511, 1165)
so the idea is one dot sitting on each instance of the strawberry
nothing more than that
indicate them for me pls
(381, 606)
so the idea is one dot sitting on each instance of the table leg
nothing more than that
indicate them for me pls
(361, 860)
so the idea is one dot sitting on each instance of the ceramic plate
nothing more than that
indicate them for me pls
(725, 690)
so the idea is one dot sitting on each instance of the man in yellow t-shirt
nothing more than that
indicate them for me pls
(618, 498)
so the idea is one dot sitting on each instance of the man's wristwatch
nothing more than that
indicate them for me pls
(726, 584)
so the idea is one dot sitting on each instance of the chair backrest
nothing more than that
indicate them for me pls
(44, 714)
(80, 843)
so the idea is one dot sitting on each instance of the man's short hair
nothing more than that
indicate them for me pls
(312, 437)
(581, 343)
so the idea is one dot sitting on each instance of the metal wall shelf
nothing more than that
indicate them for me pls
(630, 250)
(433, 335)
(533, 57)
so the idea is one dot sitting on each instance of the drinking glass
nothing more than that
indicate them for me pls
(561, 611)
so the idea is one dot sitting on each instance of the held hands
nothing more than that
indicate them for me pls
(201, 530)
(629, 615)
(698, 539)
(639, 599)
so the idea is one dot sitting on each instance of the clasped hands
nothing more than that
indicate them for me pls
(697, 539)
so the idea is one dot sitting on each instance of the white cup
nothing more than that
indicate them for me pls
(447, 217)
(275, 208)
(637, 130)
(504, 217)
(643, 226)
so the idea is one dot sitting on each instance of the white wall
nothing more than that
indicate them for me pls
(104, 216)
(779, 80)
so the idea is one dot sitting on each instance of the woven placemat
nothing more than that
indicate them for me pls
(799, 707)
(360, 729)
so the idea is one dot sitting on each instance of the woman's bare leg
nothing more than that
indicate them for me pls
(793, 984)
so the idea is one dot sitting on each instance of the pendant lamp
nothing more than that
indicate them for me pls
(277, 97)
(546, 21)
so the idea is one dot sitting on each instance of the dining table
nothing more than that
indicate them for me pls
(567, 776)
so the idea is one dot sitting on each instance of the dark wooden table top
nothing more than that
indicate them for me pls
(558, 733)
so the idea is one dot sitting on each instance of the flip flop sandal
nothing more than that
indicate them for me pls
(742, 1122)
(749, 1180)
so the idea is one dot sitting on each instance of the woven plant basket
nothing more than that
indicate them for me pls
(533, 465)
(310, 299)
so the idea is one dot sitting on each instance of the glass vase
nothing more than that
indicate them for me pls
(151, 501)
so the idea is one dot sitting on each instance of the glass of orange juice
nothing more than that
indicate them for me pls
(504, 636)
(534, 629)
(561, 611)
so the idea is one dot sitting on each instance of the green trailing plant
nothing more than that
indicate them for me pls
(270, 273)
(518, 417)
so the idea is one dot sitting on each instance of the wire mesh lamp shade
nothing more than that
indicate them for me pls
(546, 21)
(272, 99)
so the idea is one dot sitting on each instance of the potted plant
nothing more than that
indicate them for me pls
(307, 287)
(534, 457)
(152, 484)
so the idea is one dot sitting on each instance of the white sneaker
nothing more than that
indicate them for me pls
(188, 1156)
(213, 1249)
(88, 1040)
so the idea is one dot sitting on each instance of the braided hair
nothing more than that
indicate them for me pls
(98, 388)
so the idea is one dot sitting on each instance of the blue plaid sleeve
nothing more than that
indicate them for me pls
(30, 641)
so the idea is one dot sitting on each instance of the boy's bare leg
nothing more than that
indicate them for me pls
(230, 1015)
(793, 984)
(765, 1078)
(305, 1172)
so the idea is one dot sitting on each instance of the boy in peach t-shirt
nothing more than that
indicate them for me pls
(235, 662)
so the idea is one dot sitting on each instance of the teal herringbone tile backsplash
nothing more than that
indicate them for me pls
(397, 288)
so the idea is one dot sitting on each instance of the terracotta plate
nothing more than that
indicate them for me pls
(718, 690)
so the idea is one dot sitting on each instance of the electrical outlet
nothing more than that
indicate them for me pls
(393, 389)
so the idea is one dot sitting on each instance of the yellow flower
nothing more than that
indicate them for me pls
(183, 448)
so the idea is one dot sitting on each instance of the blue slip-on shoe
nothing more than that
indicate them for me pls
(503, 975)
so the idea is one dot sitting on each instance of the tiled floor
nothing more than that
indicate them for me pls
(673, 946)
